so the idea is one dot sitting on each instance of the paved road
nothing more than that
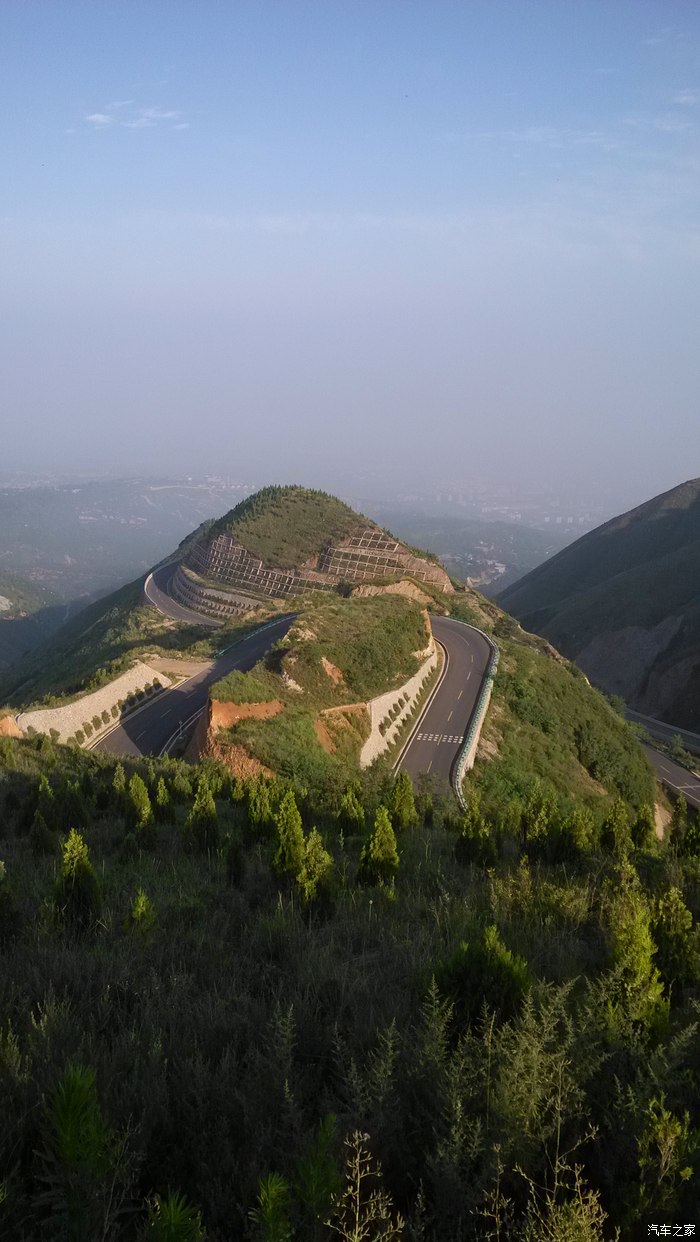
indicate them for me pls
(437, 741)
(665, 732)
(148, 732)
(678, 779)
(157, 591)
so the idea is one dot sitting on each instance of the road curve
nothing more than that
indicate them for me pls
(150, 730)
(439, 736)
(679, 780)
(156, 588)
(665, 732)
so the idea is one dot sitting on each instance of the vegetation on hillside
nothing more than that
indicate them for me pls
(639, 570)
(102, 642)
(269, 1011)
(285, 526)
(339, 651)
(548, 726)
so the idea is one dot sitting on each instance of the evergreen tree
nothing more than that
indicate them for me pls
(163, 809)
(402, 805)
(615, 830)
(677, 941)
(679, 824)
(139, 804)
(379, 860)
(537, 815)
(351, 814)
(77, 898)
(289, 855)
(46, 804)
(474, 843)
(577, 833)
(142, 915)
(119, 786)
(315, 867)
(632, 949)
(202, 825)
(259, 807)
(643, 827)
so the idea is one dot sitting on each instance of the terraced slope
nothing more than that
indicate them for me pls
(286, 540)
(624, 602)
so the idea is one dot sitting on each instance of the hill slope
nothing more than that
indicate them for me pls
(624, 602)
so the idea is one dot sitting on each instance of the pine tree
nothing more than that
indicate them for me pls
(77, 898)
(119, 786)
(379, 860)
(643, 827)
(402, 805)
(142, 915)
(202, 825)
(537, 815)
(615, 831)
(632, 949)
(315, 867)
(46, 804)
(163, 801)
(474, 843)
(351, 814)
(259, 808)
(679, 824)
(139, 804)
(289, 855)
(578, 830)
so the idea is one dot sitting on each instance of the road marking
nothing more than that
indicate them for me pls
(430, 765)
(449, 718)
(469, 674)
(140, 735)
(460, 695)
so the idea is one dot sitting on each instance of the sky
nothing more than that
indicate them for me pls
(344, 238)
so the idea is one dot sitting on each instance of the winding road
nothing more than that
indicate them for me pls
(435, 745)
(157, 726)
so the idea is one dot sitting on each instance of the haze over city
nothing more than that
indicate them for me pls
(342, 241)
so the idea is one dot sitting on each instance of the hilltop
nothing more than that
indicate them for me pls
(624, 602)
(281, 543)
(284, 526)
(284, 541)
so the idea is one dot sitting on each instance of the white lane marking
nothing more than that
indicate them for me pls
(460, 695)
(140, 735)
(469, 674)
(449, 718)
(430, 765)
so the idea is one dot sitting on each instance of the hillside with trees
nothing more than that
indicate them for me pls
(624, 602)
(264, 1010)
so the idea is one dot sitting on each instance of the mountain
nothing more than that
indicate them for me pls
(284, 541)
(277, 543)
(624, 603)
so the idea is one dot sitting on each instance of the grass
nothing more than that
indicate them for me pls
(549, 724)
(285, 526)
(102, 642)
(369, 643)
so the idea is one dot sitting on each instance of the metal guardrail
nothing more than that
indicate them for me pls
(478, 715)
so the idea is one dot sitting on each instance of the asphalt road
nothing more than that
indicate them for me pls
(678, 779)
(437, 741)
(665, 732)
(156, 588)
(149, 731)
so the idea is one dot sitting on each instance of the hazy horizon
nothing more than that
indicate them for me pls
(318, 242)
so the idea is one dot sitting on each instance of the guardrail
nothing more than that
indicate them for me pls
(465, 758)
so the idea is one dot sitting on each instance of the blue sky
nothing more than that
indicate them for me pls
(452, 238)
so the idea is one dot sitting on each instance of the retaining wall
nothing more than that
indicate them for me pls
(69, 718)
(380, 707)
